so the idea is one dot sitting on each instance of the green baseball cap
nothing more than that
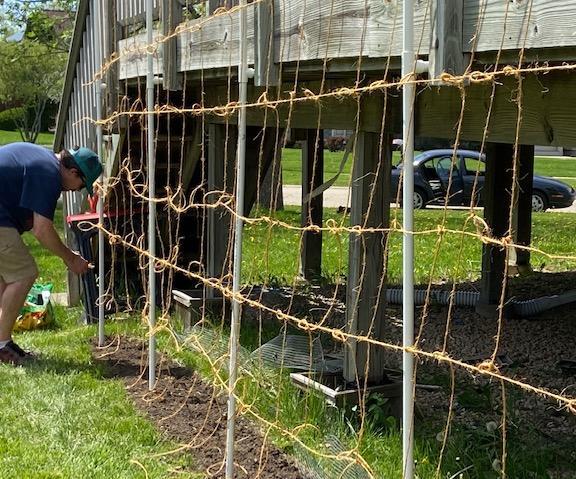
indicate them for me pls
(89, 164)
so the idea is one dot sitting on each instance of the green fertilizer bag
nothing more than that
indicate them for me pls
(37, 311)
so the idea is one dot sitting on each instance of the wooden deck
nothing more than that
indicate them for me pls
(348, 29)
(345, 36)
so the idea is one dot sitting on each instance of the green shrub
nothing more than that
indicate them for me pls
(8, 118)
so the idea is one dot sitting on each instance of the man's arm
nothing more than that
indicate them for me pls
(45, 233)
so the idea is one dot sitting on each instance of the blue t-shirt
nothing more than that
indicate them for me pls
(30, 182)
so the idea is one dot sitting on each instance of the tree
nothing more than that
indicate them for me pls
(32, 66)
(30, 76)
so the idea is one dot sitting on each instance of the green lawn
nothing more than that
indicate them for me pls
(271, 251)
(292, 166)
(562, 166)
(62, 419)
(46, 139)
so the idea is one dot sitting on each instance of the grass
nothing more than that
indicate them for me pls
(46, 139)
(292, 167)
(564, 167)
(271, 251)
(61, 418)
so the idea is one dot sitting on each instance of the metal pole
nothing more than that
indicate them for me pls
(99, 141)
(408, 98)
(239, 225)
(151, 193)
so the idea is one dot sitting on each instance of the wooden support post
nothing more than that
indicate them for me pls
(447, 50)
(365, 293)
(312, 178)
(221, 174)
(270, 195)
(111, 38)
(523, 228)
(171, 17)
(215, 4)
(266, 72)
(497, 202)
(262, 147)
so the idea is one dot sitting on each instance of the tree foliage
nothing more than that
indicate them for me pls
(30, 76)
(32, 65)
(49, 22)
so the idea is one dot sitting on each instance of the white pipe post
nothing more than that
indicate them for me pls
(238, 230)
(408, 98)
(151, 193)
(99, 141)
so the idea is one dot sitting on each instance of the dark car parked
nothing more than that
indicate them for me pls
(432, 172)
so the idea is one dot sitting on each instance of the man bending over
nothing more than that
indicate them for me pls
(31, 181)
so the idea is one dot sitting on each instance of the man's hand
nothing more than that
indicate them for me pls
(77, 264)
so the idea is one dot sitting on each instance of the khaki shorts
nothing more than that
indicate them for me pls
(16, 262)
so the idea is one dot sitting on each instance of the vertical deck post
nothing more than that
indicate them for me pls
(524, 210)
(221, 159)
(266, 72)
(171, 12)
(365, 295)
(312, 178)
(497, 202)
(447, 52)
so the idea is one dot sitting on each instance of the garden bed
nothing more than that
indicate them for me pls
(191, 412)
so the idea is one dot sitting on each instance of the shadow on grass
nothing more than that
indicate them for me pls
(44, 364)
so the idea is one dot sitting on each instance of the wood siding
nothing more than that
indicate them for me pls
(306, 31)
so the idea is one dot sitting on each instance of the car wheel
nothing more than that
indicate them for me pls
(539, 202)
(419, 199)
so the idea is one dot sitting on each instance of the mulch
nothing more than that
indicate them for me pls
(190, 412)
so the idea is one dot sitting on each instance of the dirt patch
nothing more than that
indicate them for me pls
(189, 411)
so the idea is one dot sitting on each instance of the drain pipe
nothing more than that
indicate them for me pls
(151, 193)
(238, 230)
(521, 309)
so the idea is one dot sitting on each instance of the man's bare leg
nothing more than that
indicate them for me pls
(11, 302)
(2, 288)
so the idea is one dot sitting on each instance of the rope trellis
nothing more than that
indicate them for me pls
(190, 199)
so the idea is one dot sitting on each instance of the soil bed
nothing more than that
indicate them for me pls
(189, 411)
